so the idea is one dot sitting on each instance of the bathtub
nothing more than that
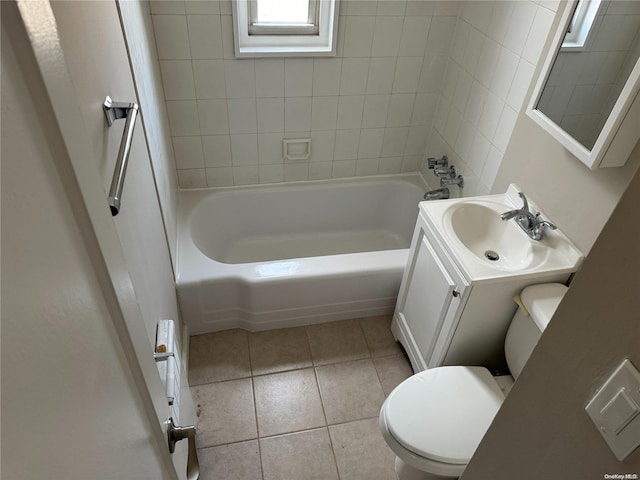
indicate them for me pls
(266, 257)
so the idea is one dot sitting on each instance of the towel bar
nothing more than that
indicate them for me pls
(114, 111)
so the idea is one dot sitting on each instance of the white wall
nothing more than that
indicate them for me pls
(367, 111)
(138, 30)
(495, 50)
(542, 430)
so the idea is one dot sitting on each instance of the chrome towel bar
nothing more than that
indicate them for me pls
(114, 111)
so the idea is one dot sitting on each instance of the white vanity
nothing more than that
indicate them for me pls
(465, 267)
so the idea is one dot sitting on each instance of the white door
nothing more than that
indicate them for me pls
(99, 283)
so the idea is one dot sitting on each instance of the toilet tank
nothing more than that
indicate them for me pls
(541, 302)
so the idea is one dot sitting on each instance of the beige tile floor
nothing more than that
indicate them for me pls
(297, 403)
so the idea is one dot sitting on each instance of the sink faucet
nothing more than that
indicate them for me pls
(529, 222)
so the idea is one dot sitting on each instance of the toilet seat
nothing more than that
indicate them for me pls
(430, 414)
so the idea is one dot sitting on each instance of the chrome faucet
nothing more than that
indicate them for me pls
(452, 180)
(440, 193)
(529, 222)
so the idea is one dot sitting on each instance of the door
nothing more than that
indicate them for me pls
(80, 53)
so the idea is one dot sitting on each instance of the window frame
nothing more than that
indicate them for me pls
(581, 25)
(283, 40)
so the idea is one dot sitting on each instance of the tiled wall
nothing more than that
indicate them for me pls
(495, 50)
(369, 110)
(583, 85)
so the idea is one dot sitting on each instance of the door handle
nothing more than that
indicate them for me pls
(174, 435)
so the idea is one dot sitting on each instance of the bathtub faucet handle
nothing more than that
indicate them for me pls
(437, 162)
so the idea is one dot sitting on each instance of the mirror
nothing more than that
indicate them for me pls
(590, 80)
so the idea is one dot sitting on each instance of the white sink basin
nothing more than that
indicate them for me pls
(489, 247)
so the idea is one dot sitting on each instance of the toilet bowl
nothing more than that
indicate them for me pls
(435, 419)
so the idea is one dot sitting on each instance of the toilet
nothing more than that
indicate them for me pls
(435, 419)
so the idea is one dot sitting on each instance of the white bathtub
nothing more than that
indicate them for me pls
(265, 257)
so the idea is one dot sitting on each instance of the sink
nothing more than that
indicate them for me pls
(487, 247)
(481, 230)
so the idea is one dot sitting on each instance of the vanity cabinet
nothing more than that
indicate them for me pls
(447, 315)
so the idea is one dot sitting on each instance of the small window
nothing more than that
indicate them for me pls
(264, 28)
(581, 25)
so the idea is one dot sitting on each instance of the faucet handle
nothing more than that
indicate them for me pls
(525, 202)
(437, 162)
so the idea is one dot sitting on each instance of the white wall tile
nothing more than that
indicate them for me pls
(538, 35)
(432, 75)
(225, 7)
(416, 141)
(360, 7)
(188, 152)
(209, 79)
(503, 75)
(326, 76)
(407, 74)
(205, 36)
(172, 38)
(353, 79)
(391, 7)
(394, 141)
(343, 169)
(198, 7)
(519, 25)
(381, 74)
(192, 178)
(520, 84)
(400, 110)
(228, 51)
(271, 173)
(440, 36)
(358, 36)
(246, 175)
(296, 172)
(177, 79)
(465, 138)
(242, 115)
(219, 177)
(269, 77)
(324, 113)
(424, 109)
(270, 148)
(213, 117)
(460, 39)
(322, 145)
(183, 117)
(452, 127)
(347, 142)
(297, 114)
(411, 163)
(350, 111)
(367, 166)
(505, 128)
(450, 80)
(386, 36)
(417, 8)
(320, 170)
(499, 21)
(390, 165)
(415, 31)
(490, 116)
(217, 150)
(376, 108)
(166, 7)
(473, 50)
(475, 103)
(240, 77)
(270, 113)
(298, 77)
(487, 61)
(491, 166)
(244, 149)
(370, 142)
(463, 87)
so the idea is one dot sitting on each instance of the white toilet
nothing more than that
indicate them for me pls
(434, 420)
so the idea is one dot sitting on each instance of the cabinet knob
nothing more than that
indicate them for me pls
(455, 293)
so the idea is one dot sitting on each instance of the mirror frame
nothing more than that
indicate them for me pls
(620, 132)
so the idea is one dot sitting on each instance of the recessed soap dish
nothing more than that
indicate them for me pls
(296, 149)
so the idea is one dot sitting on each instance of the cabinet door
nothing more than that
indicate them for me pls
(432, 297)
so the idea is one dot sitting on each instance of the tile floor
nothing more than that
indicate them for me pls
(297, 403)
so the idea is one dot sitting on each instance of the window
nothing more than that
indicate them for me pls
(581, 25)
(264, 28)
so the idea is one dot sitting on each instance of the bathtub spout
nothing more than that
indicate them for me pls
(440, 193)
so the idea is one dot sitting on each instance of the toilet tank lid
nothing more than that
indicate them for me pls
(542, 301)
